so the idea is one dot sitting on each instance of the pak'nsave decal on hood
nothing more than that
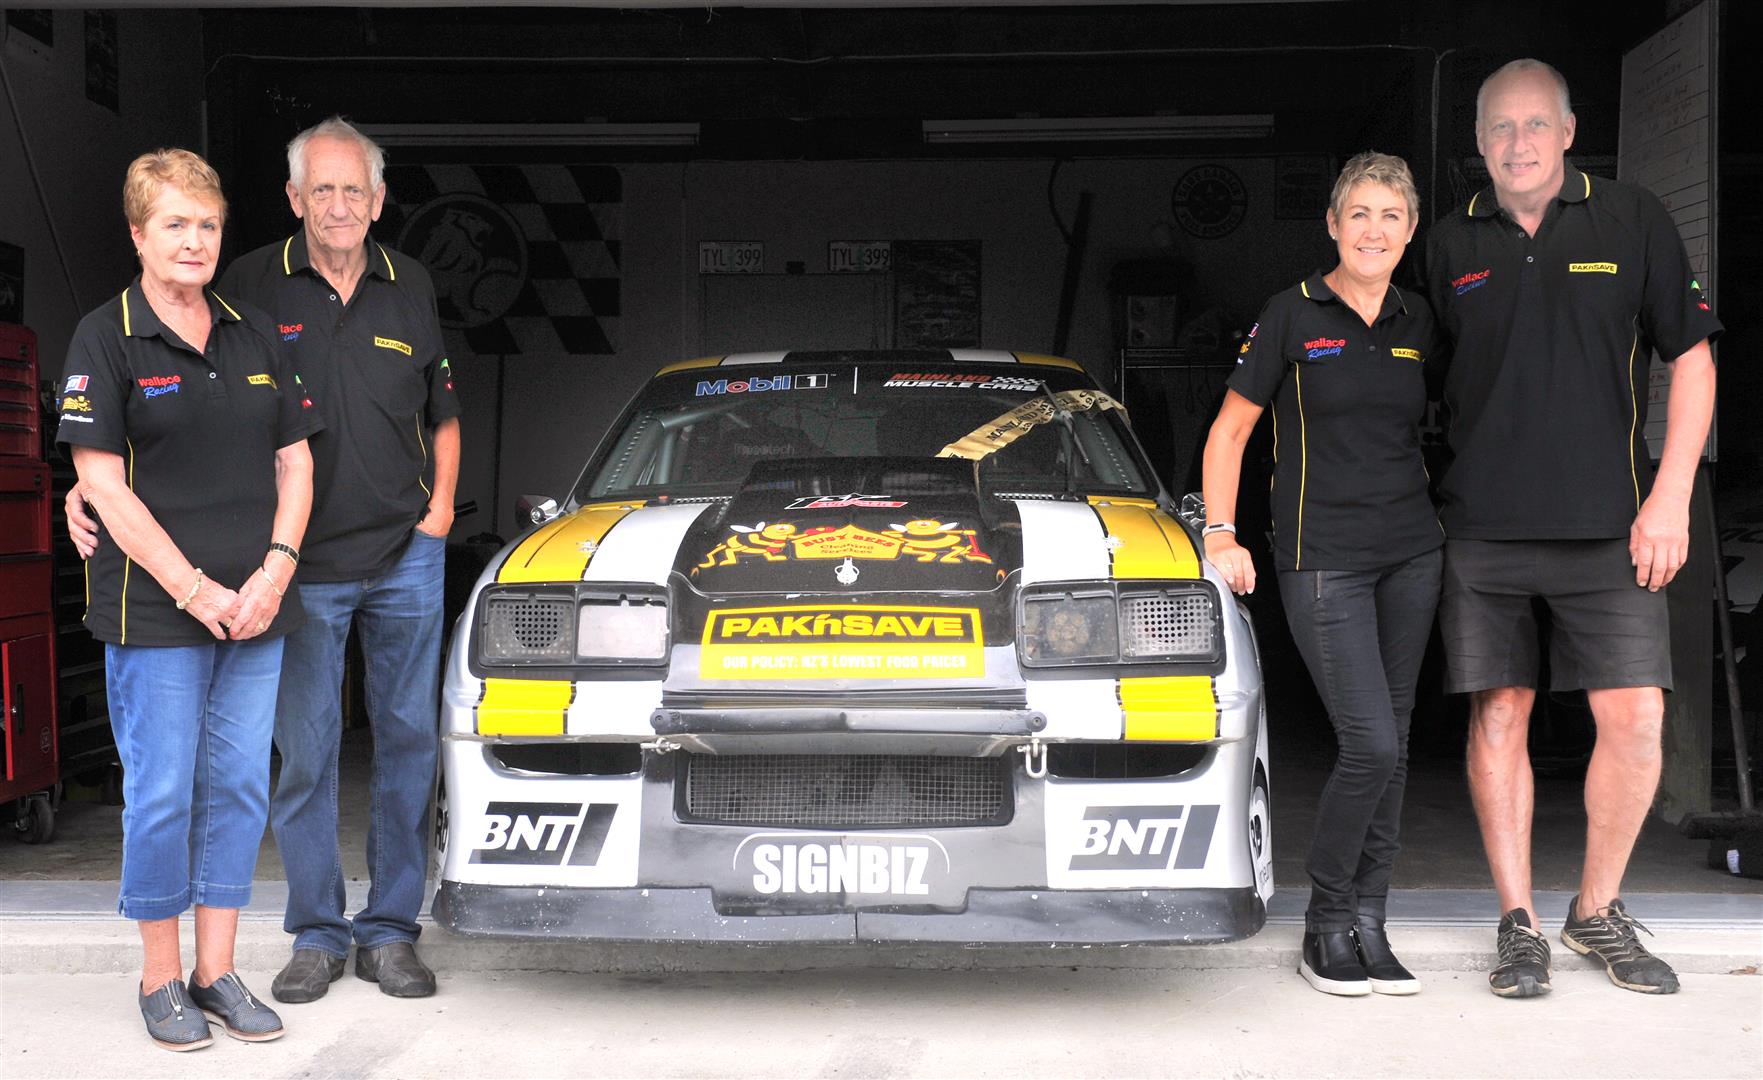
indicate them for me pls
(836, 641)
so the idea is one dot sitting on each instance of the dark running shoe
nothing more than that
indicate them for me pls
(1524, 958)
(1608, 935)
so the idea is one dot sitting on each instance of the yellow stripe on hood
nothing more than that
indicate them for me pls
(1150, 545)
(556, 552)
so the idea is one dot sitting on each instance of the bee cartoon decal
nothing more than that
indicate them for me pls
(928, 540)
(766, 541)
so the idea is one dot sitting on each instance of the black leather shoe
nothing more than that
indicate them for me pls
(1330, 963)
(396, 967)
(307, 977)
(1382, 970)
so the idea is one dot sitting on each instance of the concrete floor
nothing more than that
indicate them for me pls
(1063, 1022)
(1442, 849)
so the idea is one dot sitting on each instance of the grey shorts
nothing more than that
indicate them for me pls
(1604, 630)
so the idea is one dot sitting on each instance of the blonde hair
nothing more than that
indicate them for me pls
(149, 174)
(1372, 167)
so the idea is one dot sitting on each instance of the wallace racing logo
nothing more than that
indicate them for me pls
(1144, 837)
(1317, 348)
(291, 331)
(153, 386)
(874, 865)
(841, 640)
(542, 833)
(1471, 281)
(761, 384)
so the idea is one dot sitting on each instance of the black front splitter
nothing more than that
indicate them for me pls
(992, 917)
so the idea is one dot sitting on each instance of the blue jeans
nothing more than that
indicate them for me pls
(1362, 634)
(192, 726)
(399, 617)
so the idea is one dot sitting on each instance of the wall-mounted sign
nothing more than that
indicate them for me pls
(731, 257)
(859, 256)
(1209, 201)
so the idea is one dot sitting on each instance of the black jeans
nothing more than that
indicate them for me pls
(1362, 634)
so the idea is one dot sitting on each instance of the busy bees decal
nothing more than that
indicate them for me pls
(924, 540)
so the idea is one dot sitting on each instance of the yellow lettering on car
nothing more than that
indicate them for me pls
(827, 641)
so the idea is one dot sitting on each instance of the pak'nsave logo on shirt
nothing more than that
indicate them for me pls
(1591, 268)
(262, 380)
(1406, 354)
(393, 343)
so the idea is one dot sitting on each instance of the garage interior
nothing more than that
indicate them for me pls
(1148, 174)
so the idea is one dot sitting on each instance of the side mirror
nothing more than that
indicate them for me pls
(536, 509)
(1192, 510)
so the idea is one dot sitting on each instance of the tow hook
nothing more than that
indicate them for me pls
(661, 745)
(1034, 753)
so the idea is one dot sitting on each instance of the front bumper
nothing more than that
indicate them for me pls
(992, 916)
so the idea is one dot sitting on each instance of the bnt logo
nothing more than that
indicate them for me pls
(544, 834)
(1145, 837)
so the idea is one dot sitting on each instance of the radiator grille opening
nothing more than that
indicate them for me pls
(846, 791)
(570, 759)
(1122, 761)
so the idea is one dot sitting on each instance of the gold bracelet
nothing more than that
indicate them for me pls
(265, 572)
(195, 588)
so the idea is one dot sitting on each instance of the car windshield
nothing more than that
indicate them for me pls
(699, 432)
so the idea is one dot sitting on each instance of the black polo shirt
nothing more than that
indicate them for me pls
(1349, 489)
(198, 433)
(1547, 386)
(378, 371)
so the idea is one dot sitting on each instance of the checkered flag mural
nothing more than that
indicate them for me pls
(524, 257)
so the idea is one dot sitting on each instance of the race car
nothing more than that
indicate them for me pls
(904, 646)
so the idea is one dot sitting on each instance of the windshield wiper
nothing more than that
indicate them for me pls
(1063, 415)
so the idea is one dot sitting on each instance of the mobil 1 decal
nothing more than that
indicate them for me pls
(865, 866)
(1096, 838)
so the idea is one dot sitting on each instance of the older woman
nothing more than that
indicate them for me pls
(1340, 357)
(189, 438)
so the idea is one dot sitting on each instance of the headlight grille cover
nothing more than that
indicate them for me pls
(1168, 623)
(530, 628)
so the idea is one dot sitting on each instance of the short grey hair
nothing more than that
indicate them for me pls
(1372, 167)
(335, 128)
(1525, 66)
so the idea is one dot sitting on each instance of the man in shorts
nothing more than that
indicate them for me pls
(1556, 287)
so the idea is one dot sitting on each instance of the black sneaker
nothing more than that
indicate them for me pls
(1330, 963)
(1524, 958)
(1383, 971)
(1608, 934)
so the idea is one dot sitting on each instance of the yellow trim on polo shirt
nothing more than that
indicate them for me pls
(287, 246)
(1634, 416)
(127, 328)
(224, 304)
(391, 273)
(424, 446)
(1303, 467)
(123, 617)
(1470, 211)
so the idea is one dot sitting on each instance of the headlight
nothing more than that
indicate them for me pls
(1126, 622)
(562, 626)
(628, 628)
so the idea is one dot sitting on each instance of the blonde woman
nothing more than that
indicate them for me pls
(189, 439)
(1339, 357)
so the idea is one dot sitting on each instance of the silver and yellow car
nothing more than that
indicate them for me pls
(899, 646)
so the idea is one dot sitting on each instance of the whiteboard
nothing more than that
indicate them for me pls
(1667, 145)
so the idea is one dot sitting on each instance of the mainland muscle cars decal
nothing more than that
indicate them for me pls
(834, 641)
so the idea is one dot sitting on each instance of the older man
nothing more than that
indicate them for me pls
(1556, 287)
(358, 322)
